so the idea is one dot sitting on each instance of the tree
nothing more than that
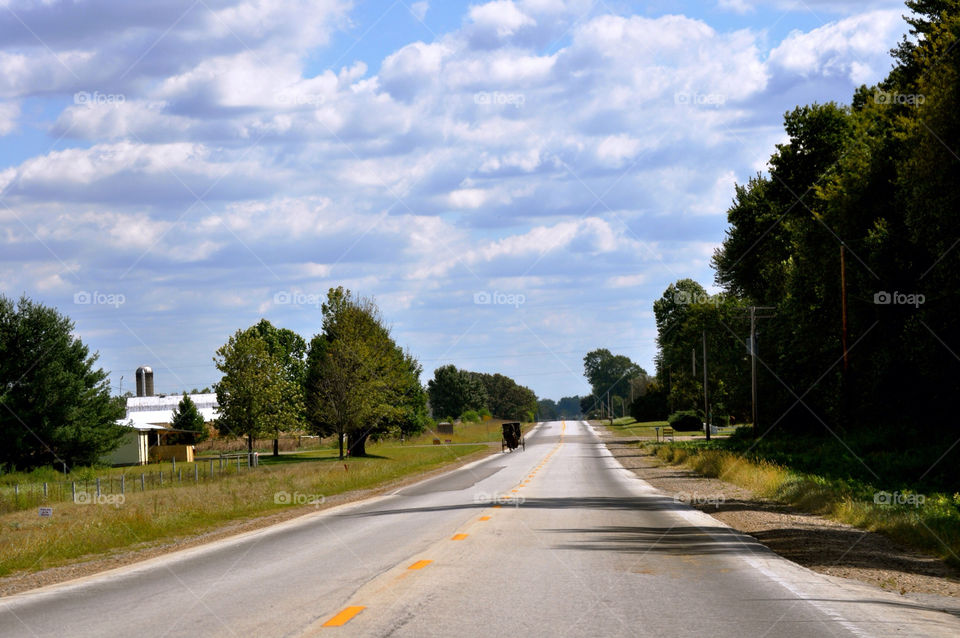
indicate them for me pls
(547, 410)
(651, 405)
(187, 417)
(290, 350)
(452, 392)
(252, 395)
(412, 416)
(359, 382)
(609, 374)
(569, 408)
(55, 408)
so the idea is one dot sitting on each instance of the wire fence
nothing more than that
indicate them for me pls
(113, 489)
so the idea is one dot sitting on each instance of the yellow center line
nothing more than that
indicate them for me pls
(459, 537)
(420, 564)
(484, 518)
(344, 616)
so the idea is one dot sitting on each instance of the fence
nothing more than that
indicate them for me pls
(234, 444)
(107, 490)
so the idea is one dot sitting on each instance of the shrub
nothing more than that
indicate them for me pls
(470, 416)
(685, 421)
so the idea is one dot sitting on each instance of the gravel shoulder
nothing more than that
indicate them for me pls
(815, 542)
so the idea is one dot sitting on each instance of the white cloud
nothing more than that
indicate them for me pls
(851, 48)
(545, 147)
(9, 112)
(501, 17)
(419, 10)
(737, 6)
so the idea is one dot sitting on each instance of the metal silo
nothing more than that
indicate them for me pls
(144, 381)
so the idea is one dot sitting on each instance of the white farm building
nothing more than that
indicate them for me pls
(148, 417)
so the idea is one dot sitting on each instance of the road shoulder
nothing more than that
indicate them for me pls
(820, 544)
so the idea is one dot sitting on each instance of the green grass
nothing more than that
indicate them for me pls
(628, 426)
(483, 432)
(932, 526)
(77, 531)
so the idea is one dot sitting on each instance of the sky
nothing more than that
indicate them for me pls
(513, 182)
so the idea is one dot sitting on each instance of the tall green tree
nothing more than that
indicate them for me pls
(610, 374)
(290, 350)
(187, 417)
(358, 380)
(452, 392)
(55, 407)
(253, 393)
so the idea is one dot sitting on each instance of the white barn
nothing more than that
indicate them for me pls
(148, 416)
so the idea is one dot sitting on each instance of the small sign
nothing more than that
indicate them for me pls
(46, 512)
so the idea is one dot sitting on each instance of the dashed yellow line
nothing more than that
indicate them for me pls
(344, 616)
(459, 537)
(420, 564)
(484, 518)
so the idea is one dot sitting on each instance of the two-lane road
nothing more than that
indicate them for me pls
(556, 540)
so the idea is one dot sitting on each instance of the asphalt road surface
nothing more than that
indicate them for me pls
(554, 540)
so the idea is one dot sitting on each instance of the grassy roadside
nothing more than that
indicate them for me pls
(484, 432)
(628, 426)
(82, 531)
(928, 522)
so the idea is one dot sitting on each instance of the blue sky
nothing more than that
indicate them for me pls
(514, 182)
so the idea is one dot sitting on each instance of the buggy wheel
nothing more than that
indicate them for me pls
(523, 442)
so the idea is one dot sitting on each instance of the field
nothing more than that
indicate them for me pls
(140, 519)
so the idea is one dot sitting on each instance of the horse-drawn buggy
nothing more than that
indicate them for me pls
(512, 437)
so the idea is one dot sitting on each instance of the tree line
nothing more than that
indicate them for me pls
(847, 251)
(461, 393)
(351, 381)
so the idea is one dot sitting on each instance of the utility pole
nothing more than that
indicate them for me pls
(693, 357)
(706, 404)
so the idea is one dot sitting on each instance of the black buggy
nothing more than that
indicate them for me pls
(512, 437)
